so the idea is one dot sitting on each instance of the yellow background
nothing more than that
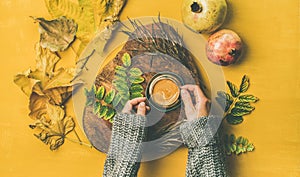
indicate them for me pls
(270, 30)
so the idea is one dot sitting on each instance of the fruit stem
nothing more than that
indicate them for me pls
(196, 8)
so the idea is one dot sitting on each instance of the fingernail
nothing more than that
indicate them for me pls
(183, 91)
(142, 104)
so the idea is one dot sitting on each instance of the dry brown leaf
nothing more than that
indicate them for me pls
(56, 34)
(45, 81)
(53, 132)
(38, 105)
(48, 89)
(59, 95)
(24, 82)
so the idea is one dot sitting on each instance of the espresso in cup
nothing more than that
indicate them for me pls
(163, 91)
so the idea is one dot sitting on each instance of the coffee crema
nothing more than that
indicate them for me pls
(165, 92)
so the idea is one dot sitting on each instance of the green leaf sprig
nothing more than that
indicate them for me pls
(238, 145)
(237, 102)
(127, 82)
(101, 102)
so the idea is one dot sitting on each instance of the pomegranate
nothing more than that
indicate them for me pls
(204, 16)
(224, 47)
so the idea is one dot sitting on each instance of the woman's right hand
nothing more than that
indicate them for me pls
(202, 103)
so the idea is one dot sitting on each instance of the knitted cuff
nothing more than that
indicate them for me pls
(198, 132)
(127, 136)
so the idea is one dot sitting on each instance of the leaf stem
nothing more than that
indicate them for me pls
(231, 107)
(79, 142)
(77, 136)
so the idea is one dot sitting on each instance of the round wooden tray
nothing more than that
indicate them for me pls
(151, 62)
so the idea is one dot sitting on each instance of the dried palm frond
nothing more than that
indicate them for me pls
(162, 38)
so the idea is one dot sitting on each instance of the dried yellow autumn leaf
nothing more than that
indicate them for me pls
(45, 65)
(38, 105)
(53, 132)
(56, 85)
(48, 89)
(56, 34)
(24, 82)
(92, 16)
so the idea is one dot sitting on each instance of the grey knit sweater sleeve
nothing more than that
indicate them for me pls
(205, 153)
(126, 145)
(204, 159)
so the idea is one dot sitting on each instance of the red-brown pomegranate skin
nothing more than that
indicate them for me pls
(224, 47)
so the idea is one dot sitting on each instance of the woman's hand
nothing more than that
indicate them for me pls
(138, 104)
(200, 107)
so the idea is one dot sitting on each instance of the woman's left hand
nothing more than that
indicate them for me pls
(138, 103)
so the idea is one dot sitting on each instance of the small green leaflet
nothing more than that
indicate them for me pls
(86, 92)
(116, 100)
(136, 80)
(135, 72)
(239, 112)
(103, 111)
(250, 147)
(234, 120)
(110, 114)
(93, 90)
(232, 138)
(126, 60)
(121, 68)
(109, 96)
(136, 95)
(90, 96)
(97, 106)
(136, 88)
(248, 98)
(237, 145)
(120, 80)
(89, 102)
(125, 95)
(121, 73)
(100, 93)
(244, 105)
(233, 89)
(121, 87)
(244, 84)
